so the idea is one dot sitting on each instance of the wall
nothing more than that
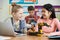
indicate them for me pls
(4, 12)
(54, 2)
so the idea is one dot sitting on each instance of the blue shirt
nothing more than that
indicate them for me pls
(21, 26)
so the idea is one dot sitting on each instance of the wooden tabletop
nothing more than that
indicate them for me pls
(27, 37)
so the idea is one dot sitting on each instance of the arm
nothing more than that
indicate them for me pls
(52, 27)
(44, 28)
(57, 23)
(52, 34)
(47, 29)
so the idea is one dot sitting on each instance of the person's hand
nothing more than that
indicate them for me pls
(30, 30)
(50, 34)
(16, 33)
(46, 34)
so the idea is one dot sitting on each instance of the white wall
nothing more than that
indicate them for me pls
(5, 10)
(4, 13)
(53, 2)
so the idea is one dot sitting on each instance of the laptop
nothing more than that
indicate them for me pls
(7, 29)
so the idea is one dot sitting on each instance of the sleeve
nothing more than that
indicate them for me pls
(25, 28)
(24, 24)
(52, 34)
(57, 24)
(52, 28)
(26, 18)
(47, 29)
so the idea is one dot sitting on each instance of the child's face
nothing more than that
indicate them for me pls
(45, 13)
(31, 12)
(18, 14)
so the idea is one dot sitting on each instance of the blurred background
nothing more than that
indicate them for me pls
(5, 7)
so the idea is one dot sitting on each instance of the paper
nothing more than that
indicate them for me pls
(4, 38)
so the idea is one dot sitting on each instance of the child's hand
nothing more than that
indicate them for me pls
(46, 24)
(29, 22)
(32, 28)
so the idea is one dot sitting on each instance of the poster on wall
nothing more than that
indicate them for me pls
(25, 9)
(24, 1)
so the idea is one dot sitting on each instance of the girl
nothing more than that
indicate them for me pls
(49, 17)
(16, 19)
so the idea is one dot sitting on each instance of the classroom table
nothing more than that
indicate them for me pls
(28, 37)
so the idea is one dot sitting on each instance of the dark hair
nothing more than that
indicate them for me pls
(50, 8)
(30, 8)
(15, 7)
